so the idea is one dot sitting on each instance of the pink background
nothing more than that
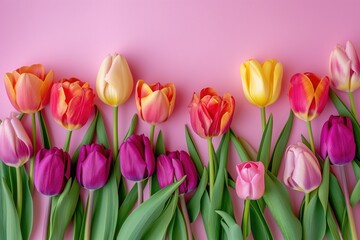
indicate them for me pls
(194, 44)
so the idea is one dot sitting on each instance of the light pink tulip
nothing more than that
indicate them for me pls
(250, 181)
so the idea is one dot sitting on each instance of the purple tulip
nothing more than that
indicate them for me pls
(302, 170)
(93, 166)
(15, 145)
(177, 165)
(250, 181)
(137, 161)
(52, 170)
(337, 140)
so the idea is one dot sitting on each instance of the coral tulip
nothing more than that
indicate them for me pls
(250, 181)
(302, 170)
(261, 83)
(137, 161)
(114, 82)
(210, 114)
(345, 68)
(155, 102)
(337, 140)
(28, 88)
(15, 145)
(308, 95)
(177, 165)
(52, 170)
(93, 167)
(71, 103)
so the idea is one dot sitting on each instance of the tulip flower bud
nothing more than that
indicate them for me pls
(114, 82)
(93, 166)
(337, 140)
(71, 103)
(15, 145)
(155, 102)
(137, 161)
(28, 88)
(308, 95)
(52, 170)
(177, 165)
(345, 68)
(261, 83)
(302, 170)
(250, 181)
(210, 114)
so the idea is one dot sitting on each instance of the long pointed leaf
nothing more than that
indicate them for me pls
(132, 127)
(44, 131)
(233, 230)
(193, 152)
(239, 148)
(265, 145)
(259, 227)
(27, 212)
(194, 204)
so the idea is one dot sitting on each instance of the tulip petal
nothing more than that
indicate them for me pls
(27, 90)
(45, 89)
(301, 94)
(353, 56)
(244, 72)
(179, 173)
(321, 95)
(9, 86)
(259, 85)
(165, 171)
(155, 107)
(276, 83)
(340, 69)
(341, 150)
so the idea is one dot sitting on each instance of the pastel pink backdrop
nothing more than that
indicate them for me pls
(194, 44)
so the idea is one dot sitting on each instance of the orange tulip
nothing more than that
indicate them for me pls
(28, 88)
(71, 103)
(155, 102)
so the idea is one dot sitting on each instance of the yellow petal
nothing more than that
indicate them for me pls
(259, 87)
(244, 72)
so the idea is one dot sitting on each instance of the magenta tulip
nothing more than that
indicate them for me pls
(302, 170)
(137, 161)
(52, 170)
(177, 165)
(93, 166)
(337, 140)
(250, 181)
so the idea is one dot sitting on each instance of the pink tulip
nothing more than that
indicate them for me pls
(250, 181)
(211, 114)
(155, 102)
(15, 145)
(28, 88)
(71, 103)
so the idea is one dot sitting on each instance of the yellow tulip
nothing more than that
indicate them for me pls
(261, 83)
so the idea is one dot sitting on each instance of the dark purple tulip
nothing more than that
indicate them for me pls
(177, 164)
(137, 161)
(52, 170)
(337, 140)
(93, 166)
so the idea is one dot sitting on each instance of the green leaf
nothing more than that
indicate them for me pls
(79, 217)
(356, 167)
(193, 205)
(132, 127)
(314, 223)
(324, 186)
(232, 229)
(27, 207)
(259, 227)
(355, 195)
(239, 148)
(193, 152)
(265, 145)
(277, 199)
(177, 229)
(135, 225)
(280, 145)
(332, 228)
(205, 209)
(160, 146)
(226, 201)
(127, 206)
(101, 132)
(46, 142)
(104, 217)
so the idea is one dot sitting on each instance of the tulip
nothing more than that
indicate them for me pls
(28, 88)
(345, 68)
(155, 102)
(210, 114)
(52, 170)
(71, 103)
(261, 83)
(308, 95)
(15, 145)
(250, 181)
(337, 140)
(137, 160)
(93, 166)
(114, 82)
(302, 170)
(177, 165)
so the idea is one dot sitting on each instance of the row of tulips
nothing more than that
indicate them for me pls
(171, 175)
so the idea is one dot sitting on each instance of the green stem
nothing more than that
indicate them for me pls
(140, 192)
(245, 220)
(307, 200)
(67, 141)
(47, 217)
(352, 104)
(33, 123)
(115, 132)
(19, 191)
(348, 206)
(186, 216)
(311, 138)
(152, 130)
(211, 167)
(89, 215)
(263, 118)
